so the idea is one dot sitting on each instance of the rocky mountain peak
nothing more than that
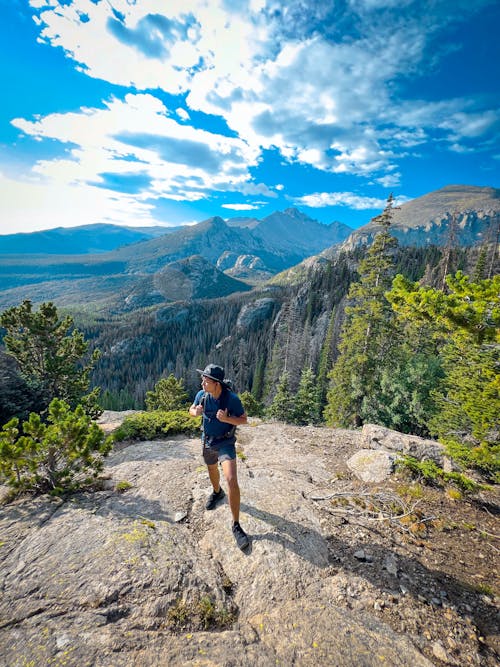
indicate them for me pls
(426, 220)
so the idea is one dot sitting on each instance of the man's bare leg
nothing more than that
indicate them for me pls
(213, 473)
(231, 476)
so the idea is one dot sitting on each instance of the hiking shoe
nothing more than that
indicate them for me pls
(214, 498)
(240, 536)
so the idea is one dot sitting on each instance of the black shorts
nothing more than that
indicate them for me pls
(217, 453)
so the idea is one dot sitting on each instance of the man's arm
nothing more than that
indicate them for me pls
(196, 410)
(222, 416)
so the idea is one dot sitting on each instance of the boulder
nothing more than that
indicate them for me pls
(372, 465)
(379, 437)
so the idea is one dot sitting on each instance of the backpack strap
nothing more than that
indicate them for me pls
(223, 403)
(224, 399)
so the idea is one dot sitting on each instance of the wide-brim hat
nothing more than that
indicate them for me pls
(214, 372)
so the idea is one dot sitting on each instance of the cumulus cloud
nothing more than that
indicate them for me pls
(136, 137)
(348, 199)
(319, 83)
(314, 80)
(241, 207)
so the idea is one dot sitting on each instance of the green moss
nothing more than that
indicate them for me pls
(200, 614)
(122, 486)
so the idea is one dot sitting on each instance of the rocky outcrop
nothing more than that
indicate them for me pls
(457, 215)
(380, 437)
(138, 573)
(254, 314)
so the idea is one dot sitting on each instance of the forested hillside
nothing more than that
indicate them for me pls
(404, 337)
(255, 336)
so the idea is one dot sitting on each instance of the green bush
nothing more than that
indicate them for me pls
(253, 407)
(431, 473)
(156, 424)
(483, 457)
(61, 455)
(168, 394)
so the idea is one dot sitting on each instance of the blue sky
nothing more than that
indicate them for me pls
(146, 112)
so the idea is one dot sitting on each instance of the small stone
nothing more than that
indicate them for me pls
(360, 555)
(179, 516)
(440, 652)
(391, 565)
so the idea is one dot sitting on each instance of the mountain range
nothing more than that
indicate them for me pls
(208, 259)
(85, 239)
(121, 269)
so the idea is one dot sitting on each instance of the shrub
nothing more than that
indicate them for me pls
(253, 407)
(431, 473)
(150, 425)
(60, 455)
(168, 394)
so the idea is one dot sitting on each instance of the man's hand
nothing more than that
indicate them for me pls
(196, 410)
(222, 415)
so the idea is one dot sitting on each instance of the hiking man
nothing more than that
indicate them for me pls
(222, 412)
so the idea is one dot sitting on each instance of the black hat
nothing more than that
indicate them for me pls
(214, 372)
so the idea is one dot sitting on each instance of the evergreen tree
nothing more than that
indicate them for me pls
(467, 318)
(168, 394)
(368, 335)
(49, 352)
(326, 360)
(282, 407)
(258, 379)
(61, 455)
(17, 398)
(307, 405)
(252, 406)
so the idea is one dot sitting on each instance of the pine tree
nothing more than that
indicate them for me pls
(53, 457)
(282, 407)
(258, 379)
(326, 359)
(252, 406)
(307, 406)
(467, 318)
(367, 333)
(49, 352)
(168, 394)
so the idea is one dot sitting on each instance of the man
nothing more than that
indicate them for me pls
(222, 412)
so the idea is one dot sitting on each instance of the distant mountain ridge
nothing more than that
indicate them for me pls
(254, 254)
(457, 214)
(84, 239)
(216, 257)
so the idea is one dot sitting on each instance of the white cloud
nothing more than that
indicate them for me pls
(389, 180)
(34, 205)
(136, 137)
(241, 207)
(348, 199)
(317, 82)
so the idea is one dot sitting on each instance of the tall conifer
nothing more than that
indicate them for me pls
(367, 333)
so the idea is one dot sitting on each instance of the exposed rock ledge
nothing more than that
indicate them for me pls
(147, 577)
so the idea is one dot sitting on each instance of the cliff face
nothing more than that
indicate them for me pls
(339, 571)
